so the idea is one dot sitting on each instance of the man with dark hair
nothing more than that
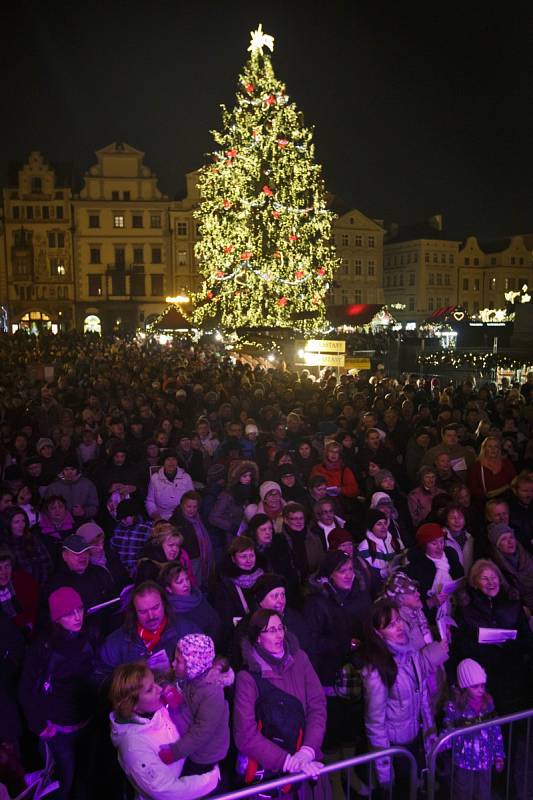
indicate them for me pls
(306, 547)
(461, 458)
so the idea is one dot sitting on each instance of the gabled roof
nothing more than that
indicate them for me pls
(173, 320)
(119, 147)
(420, 230)
(495, 245)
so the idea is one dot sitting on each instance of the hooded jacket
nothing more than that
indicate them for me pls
(227, 512)
(79, 492)
(518, 571)
(164, 494)
(138, 741)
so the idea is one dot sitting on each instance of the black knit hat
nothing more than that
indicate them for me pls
(373, 516)
(267, 583)
(331, 563)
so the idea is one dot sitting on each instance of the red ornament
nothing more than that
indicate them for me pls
(228, 248)
(267, 190)
(231, 153)
(293, 237)
(249, 88)
(271, 100)
(209, 295)
(227, 204)
(277, 254)
(255, 134)
(282, 143)
(299, 275)
(219, 274)
(237, 294)
(276, 214)
(321, 271)
(246, 256)
(282, 301)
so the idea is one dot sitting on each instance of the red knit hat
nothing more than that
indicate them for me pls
(63, 601)
(337, 537)
(428, 533)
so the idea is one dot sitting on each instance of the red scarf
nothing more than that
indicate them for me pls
(151, 639)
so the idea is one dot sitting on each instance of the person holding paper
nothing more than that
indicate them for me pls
(488, 605)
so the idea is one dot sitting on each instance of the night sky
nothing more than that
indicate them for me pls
(415, 111)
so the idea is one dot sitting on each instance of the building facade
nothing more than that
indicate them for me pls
(185, 233)
(38, 280)
(359, 245)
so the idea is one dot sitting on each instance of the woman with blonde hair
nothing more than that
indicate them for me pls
(165, 546)
(140, 725)
(492, 473)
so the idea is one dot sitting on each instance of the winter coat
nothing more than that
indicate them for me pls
(185, 527)
(475, 751)
(484, 483)
(394, 716)
(31, 556)
(228, 512)
(296, 626)
(465, 554)
(79, 492)
(278, 558)
(94, 586)
(152, 559)
(334, 618)
(57, 682)
(307, 552)
(456, 453)
(294, 675)
(12, 648)
(340, 476)
(521, 521)
(419, 501)
(164, 495)
(195, 609)
(518, 573)
(27, 592)
(207, 738)
(121, 646)
(138, 741)
(228, 603)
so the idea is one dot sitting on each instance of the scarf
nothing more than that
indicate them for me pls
(151, 639)
(245, 580)
(205, 547)
(442, 575)
(460, 538)
(186, 602)
(276, 662)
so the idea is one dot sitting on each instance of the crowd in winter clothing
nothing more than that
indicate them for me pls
(214, 571)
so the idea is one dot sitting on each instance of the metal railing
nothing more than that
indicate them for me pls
(273, 786)
(514, 782)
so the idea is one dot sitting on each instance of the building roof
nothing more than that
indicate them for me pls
(495, 245)
(65, 173)
(173, 320)
(356, 314)
(419, 230)
(441, 313)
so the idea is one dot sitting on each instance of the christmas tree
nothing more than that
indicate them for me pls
(265, 251)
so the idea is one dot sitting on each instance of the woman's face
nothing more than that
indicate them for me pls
(493, 449)
(149, 700)
(463, 498)
(381, 528)
(18, 525)
(488, 582)
(171, 547)
(411, 600)
(56, 510)
(264, 533)
(435, 549)
(507, 544)
(304, 450)
(455, 520)
(333, 454)
(428, 481)
(245, 559)
(388, 483)
(72, 621)
(23, 496)
(180, 585)
(272, 638)
(6, 571)
(343, 577)
(272, 499)
(423, 440)
(395, 632)
(246, 478)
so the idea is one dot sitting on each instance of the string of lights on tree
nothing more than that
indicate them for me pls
(266, 251)
(484, 361)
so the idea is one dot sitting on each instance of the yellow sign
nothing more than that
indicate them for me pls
(357, 363)
(322, 346)
(323, 359)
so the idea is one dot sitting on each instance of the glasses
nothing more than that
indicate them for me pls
(278, 629)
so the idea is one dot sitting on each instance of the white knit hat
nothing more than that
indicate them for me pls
(268, 486)
(470, 673)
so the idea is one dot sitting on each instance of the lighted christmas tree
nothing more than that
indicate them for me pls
(265, 253)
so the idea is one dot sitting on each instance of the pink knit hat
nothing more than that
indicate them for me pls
(63, 601)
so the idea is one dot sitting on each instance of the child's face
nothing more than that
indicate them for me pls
(179, 665)
(476, 692)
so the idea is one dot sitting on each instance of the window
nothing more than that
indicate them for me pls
(115, 196)
(509, 284)
(36, 185)
(138, 255)
(95, 285)
(51, 240)
(493, 261)
(415, 258)
(446, 279)
(137, 221)
(371, 241)
(467, 262)
(435, 258)
(58, 195)
(126, 195)
(401, 260)
(430, 304)
(181, 229)
(46, 212)
(451, 259)
(443, 258)
(29, 212)
(439, 302)
(521, 262)
(371, 268)
(387, 261)
(16, 212)
(477, 284)
(60, 239)
(57, 268)
(439, 279)
(156, 288)
(94, 220)
(387, 281)
(137, 284)
(344, 297)
(411, 304)
(492, 284)
(513, 261)
(446, 301)
(156, 255)
(431, 279)
(118, 284)
(59, 212)
(466, 284)
(476, 262)
(358, 296)
(426, 258)
(476, 307)
(155, 220)
(358, 240)
(94, 255)
(401, 280)
(395, 260)
(182, 258)
(120, 257)
(394, 280)
(408, 258)
(465, 305)
(118, 220)
(344, 240)
(344, 267)
(411, 279)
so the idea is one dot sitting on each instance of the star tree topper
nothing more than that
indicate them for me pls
(260, 40)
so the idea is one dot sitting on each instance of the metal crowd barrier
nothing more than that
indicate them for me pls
(515, 782)
(275, 787)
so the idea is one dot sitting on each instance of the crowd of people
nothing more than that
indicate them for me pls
(223, 571)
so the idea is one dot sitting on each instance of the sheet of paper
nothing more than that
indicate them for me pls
(458, 464)
(496, 635)
(451, 587)
(159, 661)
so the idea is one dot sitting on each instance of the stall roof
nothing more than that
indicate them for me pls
(173, 320)
(357, 314)
(441, 313)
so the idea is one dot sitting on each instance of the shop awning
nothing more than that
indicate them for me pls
(357, 315)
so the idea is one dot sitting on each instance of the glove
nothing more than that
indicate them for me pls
(172, 697)
(312, 768)
(166, 754)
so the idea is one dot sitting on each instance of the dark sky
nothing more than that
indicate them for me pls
(415, 111)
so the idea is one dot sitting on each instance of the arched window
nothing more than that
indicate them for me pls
(92, 324)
